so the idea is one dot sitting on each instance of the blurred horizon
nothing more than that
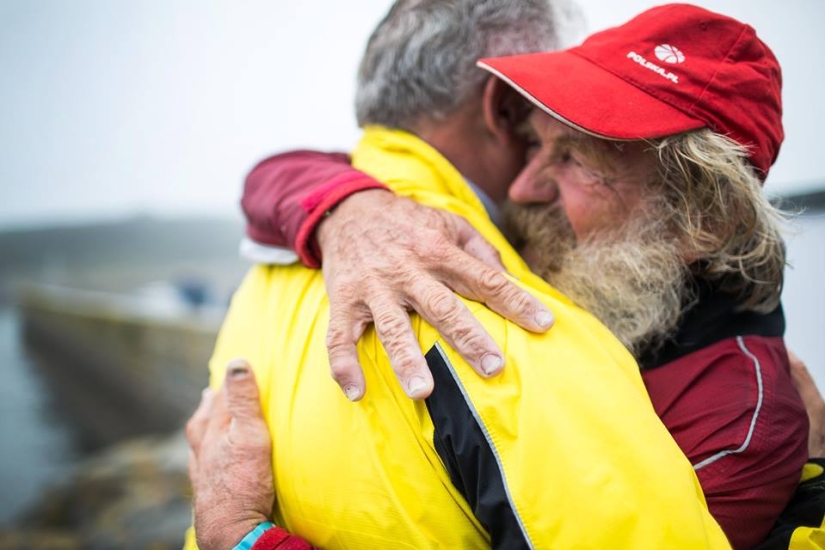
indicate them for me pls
(796, 201)
(119, 109)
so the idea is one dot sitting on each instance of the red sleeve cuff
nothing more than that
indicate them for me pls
(321, 201)
(277, 538)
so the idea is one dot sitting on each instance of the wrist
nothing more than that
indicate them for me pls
(306, 242)
(358, 202)
(223, 532)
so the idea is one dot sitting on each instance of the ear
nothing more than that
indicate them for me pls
(504, 109)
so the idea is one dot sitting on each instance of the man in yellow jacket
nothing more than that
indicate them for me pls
(561, 450)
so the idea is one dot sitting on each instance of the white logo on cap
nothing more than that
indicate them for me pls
(653, 67)
(669, 54)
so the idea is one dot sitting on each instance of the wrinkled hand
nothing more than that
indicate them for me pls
(814, 404)
(385, 255)
(230, 461)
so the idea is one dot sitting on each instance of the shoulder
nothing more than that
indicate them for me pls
(727, 397)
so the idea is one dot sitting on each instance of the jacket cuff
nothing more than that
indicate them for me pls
(251, 539)
(276, 538)
(319, 203)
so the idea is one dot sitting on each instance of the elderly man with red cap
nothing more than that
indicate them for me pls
(641, 201)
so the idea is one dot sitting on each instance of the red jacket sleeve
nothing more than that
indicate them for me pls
(287, 195)
(278, 539)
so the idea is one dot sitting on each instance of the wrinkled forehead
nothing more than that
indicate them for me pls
(552, 132)
(627, 159)
(547, 129)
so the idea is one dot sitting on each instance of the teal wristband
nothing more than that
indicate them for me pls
(249, 540)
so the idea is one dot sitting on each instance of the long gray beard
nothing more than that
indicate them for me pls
(633, 280)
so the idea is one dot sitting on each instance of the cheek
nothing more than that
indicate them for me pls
(584, 219)
(591, 211)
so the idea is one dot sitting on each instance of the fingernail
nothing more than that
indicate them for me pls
(544, 319)
(352, 392)
(238, 368)
(416, 385)
(491, 364)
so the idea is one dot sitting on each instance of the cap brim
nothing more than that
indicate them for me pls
(586, 97)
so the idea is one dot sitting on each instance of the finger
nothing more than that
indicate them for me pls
(474, 280)
(342, 336)
(501, 295)
(440, 307)
(196, 426)
(394, 329)
(798, 365)
(804, 383)
(242, 396)
(247, 427)
(474, 244)
(799, 372)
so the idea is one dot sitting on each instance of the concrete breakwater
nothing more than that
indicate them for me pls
(122, 367)
(95, 380)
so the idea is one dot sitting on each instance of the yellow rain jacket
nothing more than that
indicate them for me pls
(562, 450)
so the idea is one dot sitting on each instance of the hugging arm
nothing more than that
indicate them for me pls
(384, 256)
(230, 468)
(814, 405)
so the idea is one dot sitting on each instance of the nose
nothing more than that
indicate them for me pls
(532, 186)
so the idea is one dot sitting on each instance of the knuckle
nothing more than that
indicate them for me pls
(338, 335)
(345, 296)
(405, 360)
(395, 333)
(506, 297)
(334, 335)
(391, 324)
(492, 282)
(341, 371)
(443, 251)
(512, 299)
(520, 302)
(442, 306)
(469, 338)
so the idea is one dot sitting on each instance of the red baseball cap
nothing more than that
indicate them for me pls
(672, 69)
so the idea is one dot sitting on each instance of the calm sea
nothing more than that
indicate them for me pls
(38, 443)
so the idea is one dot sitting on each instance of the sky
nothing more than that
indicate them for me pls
(115, 108)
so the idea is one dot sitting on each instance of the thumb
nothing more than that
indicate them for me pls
(243, 399)
(471, 241)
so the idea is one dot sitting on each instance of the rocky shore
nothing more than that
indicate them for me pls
(133, 496)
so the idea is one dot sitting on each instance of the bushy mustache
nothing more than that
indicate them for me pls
(632, 278)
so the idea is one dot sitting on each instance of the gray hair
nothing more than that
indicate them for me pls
(420, 60)
(722, 217)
